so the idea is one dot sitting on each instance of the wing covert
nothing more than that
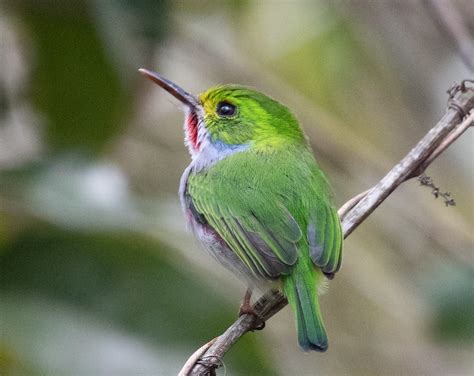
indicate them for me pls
(259, 230)
(325, 239)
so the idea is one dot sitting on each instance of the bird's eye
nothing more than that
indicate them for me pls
(225, 109)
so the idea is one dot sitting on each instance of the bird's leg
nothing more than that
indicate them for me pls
(247, 309)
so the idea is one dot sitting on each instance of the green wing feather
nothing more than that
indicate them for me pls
(268, 208)
(325, 239)
(263, 235)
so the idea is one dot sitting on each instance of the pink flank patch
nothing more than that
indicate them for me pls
(192, 130)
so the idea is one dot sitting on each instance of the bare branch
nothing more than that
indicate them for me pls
(411, 163)
(450, 138)
(352, 213)
(193, 359)
(344, 209)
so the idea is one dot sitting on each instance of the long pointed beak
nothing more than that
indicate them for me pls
(172, 88)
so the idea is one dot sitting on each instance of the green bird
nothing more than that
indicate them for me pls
(256, 199)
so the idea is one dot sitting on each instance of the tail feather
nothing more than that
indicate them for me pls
(300, 290)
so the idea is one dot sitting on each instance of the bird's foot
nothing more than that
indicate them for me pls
(247, 309)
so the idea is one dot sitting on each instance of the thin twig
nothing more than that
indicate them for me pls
(353, 213)
(344, 209)
(428, 182)
(411, 162)
(450, 138)
(188, 366)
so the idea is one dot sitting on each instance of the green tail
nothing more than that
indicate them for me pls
(300, 289)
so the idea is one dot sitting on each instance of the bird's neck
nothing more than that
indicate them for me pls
(210, 152)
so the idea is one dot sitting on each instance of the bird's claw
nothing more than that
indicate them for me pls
(247, 309)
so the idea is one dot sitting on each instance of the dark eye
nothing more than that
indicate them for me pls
(225, 109)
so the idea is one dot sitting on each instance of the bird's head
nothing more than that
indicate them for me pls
(232, 116)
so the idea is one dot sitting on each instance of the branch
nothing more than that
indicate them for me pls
(415, 162)
(352, 213)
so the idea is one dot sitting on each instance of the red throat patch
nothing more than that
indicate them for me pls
(192, 130)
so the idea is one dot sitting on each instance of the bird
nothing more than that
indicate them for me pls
(257, 200)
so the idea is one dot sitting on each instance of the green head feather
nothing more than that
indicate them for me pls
(257, 119)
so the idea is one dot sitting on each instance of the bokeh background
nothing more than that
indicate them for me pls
(98, 275)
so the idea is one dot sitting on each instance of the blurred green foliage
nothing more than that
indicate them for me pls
(125, 281)
(451, 294)
(74, 84)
